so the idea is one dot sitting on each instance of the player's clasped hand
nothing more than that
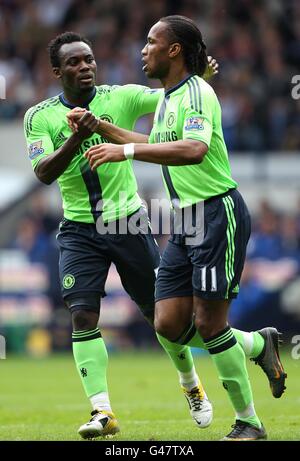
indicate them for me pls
(74, 116)
(82, 121)
(103, 153)
(87, 124)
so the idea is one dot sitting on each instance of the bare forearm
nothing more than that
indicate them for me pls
(187, 152)
(51, 167)
(118, 135)
(171, 153)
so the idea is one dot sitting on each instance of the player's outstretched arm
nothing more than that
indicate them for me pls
(119, 135)
(184, 152)
(109, 131)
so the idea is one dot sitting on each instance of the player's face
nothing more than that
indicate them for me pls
(77, 66)
(156, 52)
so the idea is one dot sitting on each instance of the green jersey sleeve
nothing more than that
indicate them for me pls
(199, 105)
(38, 138)
(141, 99)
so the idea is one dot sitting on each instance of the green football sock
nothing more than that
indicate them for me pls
(180, 354)
(229, 358)
(91, 360)
(252, 342)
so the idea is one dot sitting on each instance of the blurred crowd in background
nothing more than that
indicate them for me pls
(257, 43)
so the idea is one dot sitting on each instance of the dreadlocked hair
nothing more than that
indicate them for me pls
(184, 31)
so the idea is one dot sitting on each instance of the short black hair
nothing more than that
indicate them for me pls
(186, 32)
(66, 37)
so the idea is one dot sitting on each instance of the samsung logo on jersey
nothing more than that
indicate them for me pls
(165, 136)
(87, 143)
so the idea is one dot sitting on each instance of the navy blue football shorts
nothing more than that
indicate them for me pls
(86, 256)
(206, 252)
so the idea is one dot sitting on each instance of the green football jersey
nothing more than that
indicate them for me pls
(191, 110)
(111, 191)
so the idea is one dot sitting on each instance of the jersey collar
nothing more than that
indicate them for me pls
(71, 106)
(174, 88)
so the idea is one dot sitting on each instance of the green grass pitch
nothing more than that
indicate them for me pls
(42, 399)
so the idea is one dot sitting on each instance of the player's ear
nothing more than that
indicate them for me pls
(174, 50)
(56, 72)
